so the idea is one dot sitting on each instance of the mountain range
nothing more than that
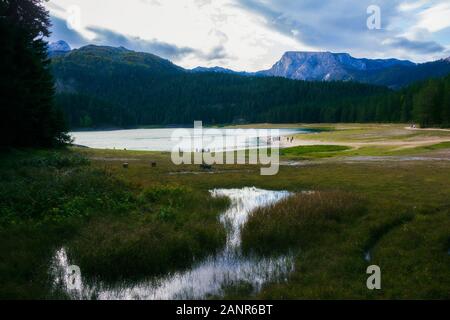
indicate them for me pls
(104, 87)
(115, 87)
(309, 66)
(326, 66)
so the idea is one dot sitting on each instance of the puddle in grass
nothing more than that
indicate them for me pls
(206, 278)
(367, 256)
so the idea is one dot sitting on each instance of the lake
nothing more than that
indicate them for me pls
(160, 139)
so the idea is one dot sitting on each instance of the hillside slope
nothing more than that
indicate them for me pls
(104, 86)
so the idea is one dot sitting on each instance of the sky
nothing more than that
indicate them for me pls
(251, 35)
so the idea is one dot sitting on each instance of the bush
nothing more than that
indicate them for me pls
(162, 193)
(57, 160)
(53, 187)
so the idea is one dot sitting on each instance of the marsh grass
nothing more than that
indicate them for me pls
(298, 220)
(406, 226)
(238, 290)
(174, 227)
(116, 229)
(44, 198)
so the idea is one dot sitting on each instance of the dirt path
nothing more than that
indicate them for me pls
(365, 159)
(426, 129)
(420, 142)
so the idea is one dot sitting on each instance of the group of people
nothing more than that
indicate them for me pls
(278, 138)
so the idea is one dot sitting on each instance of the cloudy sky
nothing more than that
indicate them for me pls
(253, 34)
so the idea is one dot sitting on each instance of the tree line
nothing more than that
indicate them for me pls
(223, 98)
(115, 87)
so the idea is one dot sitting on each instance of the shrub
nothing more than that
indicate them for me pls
(55, 160)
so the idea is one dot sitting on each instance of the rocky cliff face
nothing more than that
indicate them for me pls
(326, 66)
(59, 46)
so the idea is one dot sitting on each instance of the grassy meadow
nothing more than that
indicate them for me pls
(381, 190)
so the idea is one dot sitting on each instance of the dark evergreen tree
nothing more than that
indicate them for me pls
(27, 87)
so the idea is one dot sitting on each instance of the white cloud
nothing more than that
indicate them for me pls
(435, 18)
(201, 24)
(252, 34)
(408, 5)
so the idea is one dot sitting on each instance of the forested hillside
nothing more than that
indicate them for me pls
(427, 102)
(115, 87)
(101, 86)
(401, 76)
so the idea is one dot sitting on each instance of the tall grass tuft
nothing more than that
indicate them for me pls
(173, 227)
(298, 221)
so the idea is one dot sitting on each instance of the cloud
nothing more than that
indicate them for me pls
(422, 47)
(60, 31)
(341, 25)
(217, 53)
(322, 24)
(435, 18)
(252, 34)
(163, 49)
(411, 5)
(106, 37)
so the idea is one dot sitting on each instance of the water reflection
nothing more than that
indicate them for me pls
(205, 278)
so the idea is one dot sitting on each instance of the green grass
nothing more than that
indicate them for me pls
(395, 151)
(316, 151)
(50, 199)
(433, 147)
(125, 224)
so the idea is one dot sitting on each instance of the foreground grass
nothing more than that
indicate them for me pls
(110, 227)
(129, 223)
(334, 232)
(383, 201)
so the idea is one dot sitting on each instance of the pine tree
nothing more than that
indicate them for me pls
(30, 118)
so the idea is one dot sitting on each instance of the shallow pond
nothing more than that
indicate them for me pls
(205, 278)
